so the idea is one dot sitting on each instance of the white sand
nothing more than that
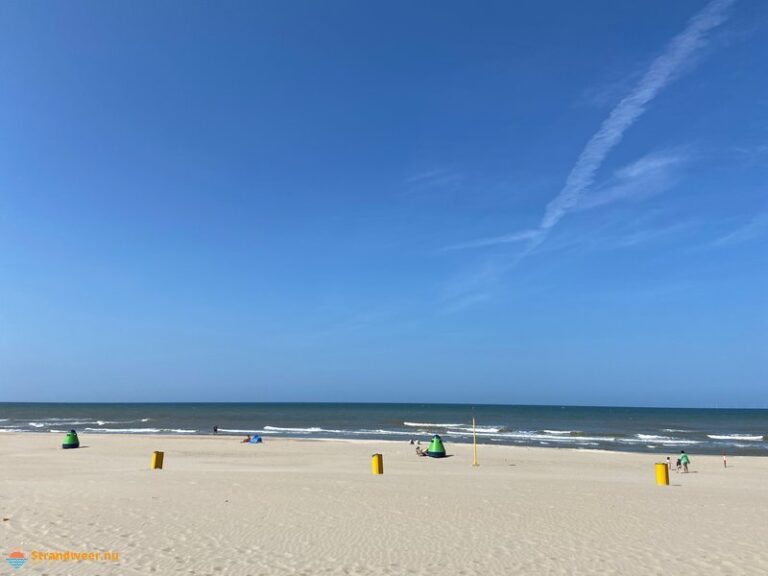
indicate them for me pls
(313, 507)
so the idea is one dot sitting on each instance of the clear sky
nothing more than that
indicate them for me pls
(505, 202)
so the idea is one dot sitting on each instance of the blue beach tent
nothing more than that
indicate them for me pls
(255, 440)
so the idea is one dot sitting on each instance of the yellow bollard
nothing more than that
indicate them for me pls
(157, 460)
(377, 464)
(662, 475)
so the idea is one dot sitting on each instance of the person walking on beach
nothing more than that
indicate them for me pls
(684, 460)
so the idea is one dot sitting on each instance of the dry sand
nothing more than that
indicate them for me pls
(313, 508)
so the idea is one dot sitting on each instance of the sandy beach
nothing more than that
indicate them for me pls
(314, 507)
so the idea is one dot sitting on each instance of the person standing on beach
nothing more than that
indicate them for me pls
(684, 460)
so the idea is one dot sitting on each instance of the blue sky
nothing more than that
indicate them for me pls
(542, 202)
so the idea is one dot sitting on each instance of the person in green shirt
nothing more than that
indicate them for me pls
(684, 460)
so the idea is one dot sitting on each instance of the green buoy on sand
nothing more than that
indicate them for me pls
(436, 448)
(71, 440)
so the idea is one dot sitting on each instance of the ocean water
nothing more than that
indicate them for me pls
(653, 430)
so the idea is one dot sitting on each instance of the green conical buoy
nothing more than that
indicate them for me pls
(71, 440)
(436, 448)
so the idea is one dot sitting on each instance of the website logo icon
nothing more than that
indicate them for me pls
(16, 559)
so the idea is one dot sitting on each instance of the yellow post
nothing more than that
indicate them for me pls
(157, 460)
(474, 444)
(662, 474)
(377, 464)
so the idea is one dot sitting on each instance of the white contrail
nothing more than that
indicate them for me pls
(661, 72)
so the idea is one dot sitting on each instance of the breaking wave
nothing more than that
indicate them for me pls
(431, 425)
(740, 437)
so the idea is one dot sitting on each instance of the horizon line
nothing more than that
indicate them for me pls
(473, 405)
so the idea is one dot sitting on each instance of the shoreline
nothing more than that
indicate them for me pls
(267, 439)
(231, 439)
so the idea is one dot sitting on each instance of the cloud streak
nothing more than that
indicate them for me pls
(505, 239)
(752, 230)
(663, 70)
(643, 178)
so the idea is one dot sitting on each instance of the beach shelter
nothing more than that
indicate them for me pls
(255, 440)
(436, 448)
(71, 440)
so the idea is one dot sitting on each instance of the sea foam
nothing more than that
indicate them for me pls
(142, 430)
(742, 437)
(431, 425)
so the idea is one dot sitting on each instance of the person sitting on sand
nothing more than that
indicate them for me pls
(247, 439)
(420, 452)
(684, 460)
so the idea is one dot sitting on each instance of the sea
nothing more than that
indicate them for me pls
(652, 430)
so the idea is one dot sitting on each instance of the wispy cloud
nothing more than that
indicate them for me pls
(650, 175)
(754, 229)
(483, 283)
(505, 239)
(464, 301)
(663, 70)
(619, 233)
(649, 235)
(473, 286)
(432, 181)
(607, 94)
(751, 155)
